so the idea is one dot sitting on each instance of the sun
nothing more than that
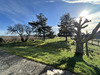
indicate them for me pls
(84, 13)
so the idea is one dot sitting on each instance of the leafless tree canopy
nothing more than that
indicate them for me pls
(80, 39)
(22, 30)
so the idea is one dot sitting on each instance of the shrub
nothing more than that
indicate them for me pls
(1, 40)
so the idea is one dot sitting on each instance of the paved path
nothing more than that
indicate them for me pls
(15, 65)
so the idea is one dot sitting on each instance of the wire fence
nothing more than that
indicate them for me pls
(95, 42)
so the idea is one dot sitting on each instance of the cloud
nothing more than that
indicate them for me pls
(94, 16)
(55, 29)
(15, 10)
(50, 1)
(83, 1)
(3, 32)
(95, 19)
(16, 21)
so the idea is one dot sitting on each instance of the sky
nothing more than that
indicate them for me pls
(24, 11)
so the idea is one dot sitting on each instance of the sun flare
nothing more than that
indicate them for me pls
(84, 13)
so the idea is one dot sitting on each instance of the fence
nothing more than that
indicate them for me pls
(95, 42)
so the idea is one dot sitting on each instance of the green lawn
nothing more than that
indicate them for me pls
(58, 53)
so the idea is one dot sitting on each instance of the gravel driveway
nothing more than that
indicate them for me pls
(15, 65)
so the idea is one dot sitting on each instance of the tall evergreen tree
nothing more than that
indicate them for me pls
(41, 26)
(66, 27)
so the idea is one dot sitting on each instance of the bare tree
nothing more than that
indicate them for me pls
(22, 30)
(80, 40)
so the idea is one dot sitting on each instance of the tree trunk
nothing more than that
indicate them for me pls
(22, 39)
(44, 35)
(98, 42)
(66, 37)
(79, 49)
(79, 44)
(26, 38)
(92, 41)
(87, 52)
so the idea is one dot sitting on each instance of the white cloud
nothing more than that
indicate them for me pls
(55, 29)
(83, 1)
(16, 21)
(3, 32)
(51, 1)
(95, 19)
(94, 16)
(15, 10)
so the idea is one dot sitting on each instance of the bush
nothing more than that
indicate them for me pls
(1, 40)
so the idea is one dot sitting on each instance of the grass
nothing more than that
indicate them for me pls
(58, 53)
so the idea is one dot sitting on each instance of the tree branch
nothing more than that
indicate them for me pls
(93, 33)
(84, 26)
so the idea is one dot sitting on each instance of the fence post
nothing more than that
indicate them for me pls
(98, 42)
(92, 41)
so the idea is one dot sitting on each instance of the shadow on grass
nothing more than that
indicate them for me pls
(37, 52)
(28, 50)
(35, 49)
(80, 64)
(56, 46)
(32, 43)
